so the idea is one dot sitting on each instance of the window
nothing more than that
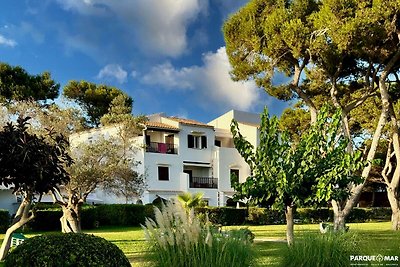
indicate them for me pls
(148, 140)
(217, 143)
(234, 175)
(163, 173)
(197, 141)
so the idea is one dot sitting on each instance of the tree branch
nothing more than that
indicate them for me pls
(387, 169)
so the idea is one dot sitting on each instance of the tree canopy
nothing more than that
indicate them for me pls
(283, 174)
(17, 84)
(31, 166)
(97, 100)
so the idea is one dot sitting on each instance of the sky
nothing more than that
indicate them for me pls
(168, 55)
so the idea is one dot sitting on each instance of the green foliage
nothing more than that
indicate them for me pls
(98, 100)
(189, 201)
(295, 121)
(178, 238)
(265, 36)
(122, 214)
(66, 250)
(321, 250)
(223, 215)
(314, 170)
(17, 84)
(48, 216)
(4, 220)
(263, 216)
(30, 164)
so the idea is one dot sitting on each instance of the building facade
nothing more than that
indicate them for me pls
(181, 155)
(177, 155)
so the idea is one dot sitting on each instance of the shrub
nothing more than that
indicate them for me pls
(4, 220)
(179, 239)
(262, 216)
(313, 215)
(66, 250)
(46, 220)
(121, 214)
(223, 215)
(321, 250)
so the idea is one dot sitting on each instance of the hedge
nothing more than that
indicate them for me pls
(316, 215)
(4, 220)
(134, 215)
(123, 214)
(224, 215)
(47, 217)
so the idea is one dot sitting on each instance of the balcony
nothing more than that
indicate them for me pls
(203, 182)
(162, 148)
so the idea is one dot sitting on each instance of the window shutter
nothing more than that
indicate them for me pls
(190, 141)
(204, 141)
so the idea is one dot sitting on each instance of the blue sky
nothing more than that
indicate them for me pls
(169, 55)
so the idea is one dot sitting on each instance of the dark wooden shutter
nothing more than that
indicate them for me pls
(204, 141)
(190, 141)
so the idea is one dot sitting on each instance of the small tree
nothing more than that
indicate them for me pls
(31, 166)
(105, 163)
(284, 175)
(190, 201)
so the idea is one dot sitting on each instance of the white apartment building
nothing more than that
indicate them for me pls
(180, 155)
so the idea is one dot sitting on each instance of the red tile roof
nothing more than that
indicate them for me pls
(159, 125)
(190, 122)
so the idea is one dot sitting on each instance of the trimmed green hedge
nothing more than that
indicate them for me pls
(134, 215)
(4, 220)
(312, 215)
(122, 214)
(48, 216)
(224, 215)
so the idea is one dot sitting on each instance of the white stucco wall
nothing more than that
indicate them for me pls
(8, 201)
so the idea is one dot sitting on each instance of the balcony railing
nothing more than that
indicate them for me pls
(203, 182)
(163, 148)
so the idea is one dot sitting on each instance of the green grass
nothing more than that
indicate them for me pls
(377, 238)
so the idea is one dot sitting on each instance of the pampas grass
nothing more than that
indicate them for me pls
(319, 250)
(178, 239)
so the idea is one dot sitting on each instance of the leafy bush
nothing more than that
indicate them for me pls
(46, 220)
(223, 215)
(179, 239)
(313, 215)
(121, 214)
(321, 250)
(48, 216)
(66, 250)
(262, 216)
(4, 220)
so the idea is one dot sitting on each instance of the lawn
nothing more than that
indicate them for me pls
(376, 238)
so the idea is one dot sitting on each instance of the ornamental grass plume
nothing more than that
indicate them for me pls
(178, 239)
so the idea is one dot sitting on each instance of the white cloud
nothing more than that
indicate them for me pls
(7, 42)
(113, 71)
(159, 26)
(211, 82)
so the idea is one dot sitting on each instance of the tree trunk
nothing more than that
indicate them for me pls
(339, 217)
(395, 206)
(289, 225)
(71, 221)
(22, 217)
(392, 189)
(340, 214)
